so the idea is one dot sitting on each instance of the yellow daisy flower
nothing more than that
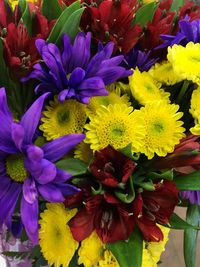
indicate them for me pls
(186, 61)
(83, 152)
(91, 250)
(163, 128)
(55, 238)
(108, 260)
(14, 3)
(63, 118)
(114, 97)
(116, 125)
(195, 111)
(156, 248)
(164, 73)
(145, 89)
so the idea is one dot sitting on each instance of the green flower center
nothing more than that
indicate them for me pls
(117, 131)
(63, 116)
(104, 100)
(158, 127)
(15, 168)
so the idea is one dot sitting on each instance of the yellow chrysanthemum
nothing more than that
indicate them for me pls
(164, 73)
(114, 97)
(83, 152)
(14, 3)
(186, 61)
(108, 260)
(63, 118)
(145, 89)
(116, 125)
(156, 248)
(91, 250)
(163, 128)
(55, 238)
(195, 111)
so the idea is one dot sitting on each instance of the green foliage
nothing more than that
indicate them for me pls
(26, 15)
(145, 14)
(176, 4)
(190, 235)
(128, 253)
(175, 222)
(73, 166)
(68, 22)
(51, 9)
(188, 182)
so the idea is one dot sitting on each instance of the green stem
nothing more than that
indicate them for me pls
(183, 91)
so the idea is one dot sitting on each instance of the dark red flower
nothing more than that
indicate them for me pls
(190, 8)
(185, 158)
(152, 207)
(20, 52)
(111, 21)
(103, 211)
(162, 23)
(112, 221)
(111, 167)
(6, 15)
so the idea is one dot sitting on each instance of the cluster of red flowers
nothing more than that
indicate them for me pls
(112, 218)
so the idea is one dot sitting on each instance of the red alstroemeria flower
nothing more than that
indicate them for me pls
(162, 23)
(111, 21)
(111, 167)
(19, 48)
(185, 158)
(6, 15)
(191, 9)
(104, 212)
(152, 207)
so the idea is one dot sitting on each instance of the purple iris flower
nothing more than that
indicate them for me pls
(189, 31)
(137, 58)
(192, 196)
(28, 171)
(72, 72)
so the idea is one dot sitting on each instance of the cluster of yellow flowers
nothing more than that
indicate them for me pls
(55, 237)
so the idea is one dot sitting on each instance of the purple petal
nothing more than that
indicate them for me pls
(55, 149)
(62, 176)
(8, 202)
(4, 185)
(30, 191)
(29, 216)
(34, 153)
(66, 94)
(67, 51)
(68, 189)
(31, 118)
(17, 132)
(48, 172)
(40, 43)
(51, 193)
(3, 103)
(76, 77)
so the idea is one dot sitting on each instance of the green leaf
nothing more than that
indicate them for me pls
(127, 151)
(188, 182)
(4, 77)
(146, 185)
(145, 14)
(63, 24)
(26, 15)
(168, 175)
(51, 9)
(73, 166)
(128, 253)
(175, 222)
(176, 4)
(190, 236)
(127, 195)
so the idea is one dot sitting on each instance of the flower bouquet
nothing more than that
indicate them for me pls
(99, 130)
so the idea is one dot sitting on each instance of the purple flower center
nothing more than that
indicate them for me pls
(15, 168)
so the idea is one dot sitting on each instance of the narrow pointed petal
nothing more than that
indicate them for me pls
(30, 191)
(17, 132)
(31, 118)
(29, 216)
(51, 193)
(55, 149)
